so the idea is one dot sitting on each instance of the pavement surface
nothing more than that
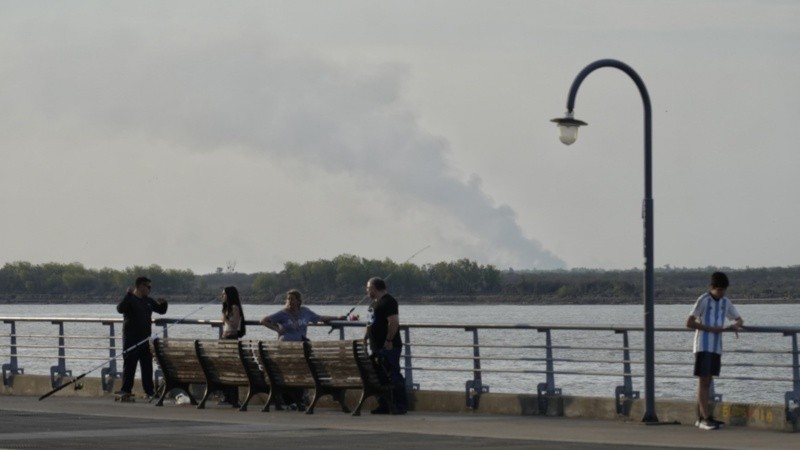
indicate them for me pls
(99, 423)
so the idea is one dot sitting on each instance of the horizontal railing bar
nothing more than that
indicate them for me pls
(56, 336)
(62, 346)
(464, 326)
(66, 357)
(572, 347)
(492, 358)
(605, 374)
(554, 347)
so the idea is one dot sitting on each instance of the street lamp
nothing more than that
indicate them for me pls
(569, 133)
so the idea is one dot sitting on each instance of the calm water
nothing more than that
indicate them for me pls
(511, 351)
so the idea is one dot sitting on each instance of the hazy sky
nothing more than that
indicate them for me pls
(191, 134)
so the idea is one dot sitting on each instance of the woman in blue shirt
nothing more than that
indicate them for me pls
(291, 323)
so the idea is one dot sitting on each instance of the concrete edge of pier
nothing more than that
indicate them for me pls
(749, 415)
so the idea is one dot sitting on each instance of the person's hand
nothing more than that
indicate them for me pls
(130, 290)
(387, 345)
(161, 300)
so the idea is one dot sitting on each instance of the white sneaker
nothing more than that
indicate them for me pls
(706, 424)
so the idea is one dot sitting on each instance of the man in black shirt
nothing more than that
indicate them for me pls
(137, 310)
(383, 332)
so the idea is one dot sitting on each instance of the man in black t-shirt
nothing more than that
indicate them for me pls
(383, 332)
(137, 311)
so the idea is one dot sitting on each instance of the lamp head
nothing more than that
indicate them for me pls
(568, 126)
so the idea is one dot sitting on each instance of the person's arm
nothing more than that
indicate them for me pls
(160, 305)
(267, 322)
(692, 323)
(738, 323)
(392, 329)
(123, 305)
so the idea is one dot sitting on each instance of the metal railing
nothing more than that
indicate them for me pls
(551, 352)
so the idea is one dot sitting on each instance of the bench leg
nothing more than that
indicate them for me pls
(163, 395)
(270, 395)
(357, 411)
(250, 395)
(317, 395)
(339, 397)
(205, 398)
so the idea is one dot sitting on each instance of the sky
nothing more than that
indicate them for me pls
(245, 134)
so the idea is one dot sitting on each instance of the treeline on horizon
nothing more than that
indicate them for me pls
(346, 276)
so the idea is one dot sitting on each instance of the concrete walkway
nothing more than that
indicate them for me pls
(99, 423)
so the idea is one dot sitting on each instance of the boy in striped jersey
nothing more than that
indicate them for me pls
(708, 318)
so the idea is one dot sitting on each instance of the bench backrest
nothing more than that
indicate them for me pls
(221, 361)
(248, 353)
(178, 360)
(332, 363)
(285, 363)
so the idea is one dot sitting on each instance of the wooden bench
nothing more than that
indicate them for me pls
(341, 365)
(230, 363)
(286, 368)
(178, 361)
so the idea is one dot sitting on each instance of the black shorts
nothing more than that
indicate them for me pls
(707, 364)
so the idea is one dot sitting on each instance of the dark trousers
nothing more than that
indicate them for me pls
(390, 360)
(139, 355)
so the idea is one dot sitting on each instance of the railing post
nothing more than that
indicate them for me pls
(548, 388)
(59, 371)
(11, 369)
(625, 391)
(408, 371)
(108, 374)
(475, 387)
(792, 398)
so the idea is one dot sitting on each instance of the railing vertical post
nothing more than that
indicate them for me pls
(59, 371)
(792, 398)
(548, 388)
(108, 374)
(408, 371)
(474, 387)
(625, 391)
(11, 369)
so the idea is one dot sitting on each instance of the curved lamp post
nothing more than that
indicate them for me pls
(569, 133)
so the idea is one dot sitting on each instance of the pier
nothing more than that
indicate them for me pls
(99, 422)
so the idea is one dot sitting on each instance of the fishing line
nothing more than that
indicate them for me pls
(124, 352)
(385, 278)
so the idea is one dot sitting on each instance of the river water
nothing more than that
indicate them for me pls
(515, 354)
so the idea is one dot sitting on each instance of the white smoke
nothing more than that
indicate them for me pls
(240, 91)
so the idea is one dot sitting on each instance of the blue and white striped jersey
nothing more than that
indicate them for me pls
(711, 312)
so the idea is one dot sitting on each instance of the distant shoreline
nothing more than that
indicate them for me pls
(415, 300)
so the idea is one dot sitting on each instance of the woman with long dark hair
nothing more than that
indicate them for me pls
(233, 327)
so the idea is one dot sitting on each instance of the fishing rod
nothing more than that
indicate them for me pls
(385, 278)
(124, 352)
